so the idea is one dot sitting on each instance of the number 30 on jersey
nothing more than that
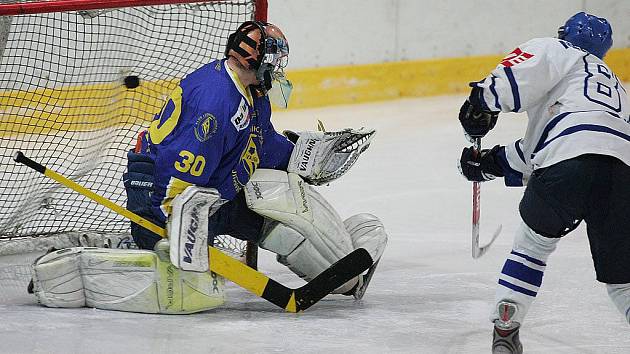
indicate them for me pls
(190, 163)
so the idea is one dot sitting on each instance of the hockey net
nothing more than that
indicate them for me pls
(78, 80)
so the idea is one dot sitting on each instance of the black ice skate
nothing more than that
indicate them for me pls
(505, 336)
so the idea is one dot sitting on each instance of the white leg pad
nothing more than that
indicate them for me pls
(123, 280)
(368, 232)
(311, 235)
(57, 279)
(620, 296)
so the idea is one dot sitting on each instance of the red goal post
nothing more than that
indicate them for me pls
(27, 7)
(65, 100)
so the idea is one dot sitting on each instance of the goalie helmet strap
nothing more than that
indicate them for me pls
(246, 42)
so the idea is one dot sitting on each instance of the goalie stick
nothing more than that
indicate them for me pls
(478, 251)
(292, 300)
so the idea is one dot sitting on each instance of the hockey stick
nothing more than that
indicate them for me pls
(292, 300)
(478, 251)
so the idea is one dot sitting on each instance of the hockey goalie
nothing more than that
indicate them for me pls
(211, 163)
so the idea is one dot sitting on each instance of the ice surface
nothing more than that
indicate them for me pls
(428, 295)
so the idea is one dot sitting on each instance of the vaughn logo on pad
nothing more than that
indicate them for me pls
(516, 57)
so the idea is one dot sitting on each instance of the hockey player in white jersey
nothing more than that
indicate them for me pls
(574, 160)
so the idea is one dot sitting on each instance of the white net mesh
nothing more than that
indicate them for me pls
(75, 89)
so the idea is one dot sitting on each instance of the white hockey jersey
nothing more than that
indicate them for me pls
(575, 105)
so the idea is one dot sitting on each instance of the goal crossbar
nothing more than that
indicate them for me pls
(38, 7)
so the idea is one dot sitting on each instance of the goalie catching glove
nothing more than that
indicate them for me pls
(321, 157)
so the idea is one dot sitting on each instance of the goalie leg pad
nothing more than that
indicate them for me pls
(368, 232)
(310, 236)
(57, 279)
(123, 280)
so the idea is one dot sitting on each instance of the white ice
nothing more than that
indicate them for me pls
(428, 295)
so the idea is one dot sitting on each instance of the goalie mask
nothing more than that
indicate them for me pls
(262, 47)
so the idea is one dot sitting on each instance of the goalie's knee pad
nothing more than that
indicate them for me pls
(123, 280)
(368, 232)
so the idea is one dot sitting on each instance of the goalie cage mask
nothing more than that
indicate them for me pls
(262, 47)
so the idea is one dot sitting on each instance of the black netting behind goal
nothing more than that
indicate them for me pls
(75, 89)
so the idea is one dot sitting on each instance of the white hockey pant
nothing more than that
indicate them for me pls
(309, 236)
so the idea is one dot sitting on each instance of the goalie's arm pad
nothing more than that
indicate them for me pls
(322, 157)
(123, 280)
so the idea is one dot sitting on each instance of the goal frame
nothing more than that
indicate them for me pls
(31, 7)
(38, 7)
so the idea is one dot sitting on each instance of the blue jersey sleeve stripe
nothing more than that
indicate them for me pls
(514, 86)
(493, 90)
(517, 288)
(522, 272)
(531, 259)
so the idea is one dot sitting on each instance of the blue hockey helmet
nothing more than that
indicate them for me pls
(588, 32)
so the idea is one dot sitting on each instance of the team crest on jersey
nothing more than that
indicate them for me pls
(205, 127)
(248, 163)
(516, 57)
(249, 158)
(242, 117)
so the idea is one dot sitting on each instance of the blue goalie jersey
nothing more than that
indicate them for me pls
(212, 132)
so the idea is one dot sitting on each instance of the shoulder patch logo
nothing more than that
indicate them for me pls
(241, 118)
(205, 127)
(516, 57)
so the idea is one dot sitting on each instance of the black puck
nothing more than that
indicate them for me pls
(132, 81)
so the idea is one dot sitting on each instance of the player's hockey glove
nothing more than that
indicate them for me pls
(475, 116)
(480, 167)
